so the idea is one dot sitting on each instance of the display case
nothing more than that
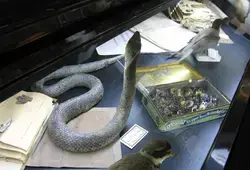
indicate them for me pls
(42, 40)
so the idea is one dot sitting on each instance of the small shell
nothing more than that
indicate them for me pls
(189, 104)
(179, 92)
(173, 108)
(205, 97)
(198, 91)
(173, 91)
(188, 92)
(157, 92)
(179, 112)
(167, 112)
(182, 103)
(203, 106)
(194, 108)
(196, 100)
(160, 93)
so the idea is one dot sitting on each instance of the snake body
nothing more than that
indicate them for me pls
(75, 76)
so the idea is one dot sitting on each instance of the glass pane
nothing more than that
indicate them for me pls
(120, 85)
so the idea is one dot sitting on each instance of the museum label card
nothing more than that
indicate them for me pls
(133, 136)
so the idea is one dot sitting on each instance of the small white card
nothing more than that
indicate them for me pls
(133, 136)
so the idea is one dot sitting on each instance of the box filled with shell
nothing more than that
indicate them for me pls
(180, 103)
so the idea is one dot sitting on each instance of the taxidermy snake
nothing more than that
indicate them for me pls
(75, 76)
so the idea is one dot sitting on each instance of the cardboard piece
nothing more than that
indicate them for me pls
(49, 155)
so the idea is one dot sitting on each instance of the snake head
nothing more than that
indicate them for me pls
(133, 49)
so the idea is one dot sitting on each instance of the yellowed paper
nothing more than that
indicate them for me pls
(16, 156)
(12, 155)
(27, 119)
(49, 155)
(5, 165)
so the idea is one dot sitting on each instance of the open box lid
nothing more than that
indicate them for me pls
(164, 74)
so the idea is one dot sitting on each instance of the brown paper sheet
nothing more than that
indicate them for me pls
(48, 155)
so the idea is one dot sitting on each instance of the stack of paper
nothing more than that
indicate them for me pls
(28, 113)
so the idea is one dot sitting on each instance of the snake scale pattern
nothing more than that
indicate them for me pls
(75, 76)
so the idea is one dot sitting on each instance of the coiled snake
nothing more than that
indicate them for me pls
(58, 131)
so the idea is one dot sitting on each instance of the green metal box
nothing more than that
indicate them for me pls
(184, 89)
